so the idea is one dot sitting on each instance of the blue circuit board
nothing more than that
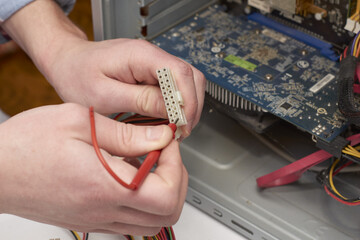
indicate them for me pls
(278, 73)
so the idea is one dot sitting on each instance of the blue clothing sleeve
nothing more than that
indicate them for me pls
(9, 7)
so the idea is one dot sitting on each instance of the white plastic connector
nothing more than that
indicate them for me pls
(352, 26)
(173, 99)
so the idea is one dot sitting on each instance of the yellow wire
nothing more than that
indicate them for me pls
(76, 235)
(356, 18)
(354, 15)
(356, 45)
(348, 150)
(331, 182)
(351, 153)
(354, 149)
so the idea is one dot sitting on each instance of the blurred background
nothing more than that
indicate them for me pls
(21, 85)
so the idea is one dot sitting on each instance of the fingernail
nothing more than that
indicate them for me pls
(154, 133)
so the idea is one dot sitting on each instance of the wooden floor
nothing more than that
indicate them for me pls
(21, 85)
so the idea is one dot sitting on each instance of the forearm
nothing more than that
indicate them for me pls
(42, 30)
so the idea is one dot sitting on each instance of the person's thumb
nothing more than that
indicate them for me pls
(128, 140)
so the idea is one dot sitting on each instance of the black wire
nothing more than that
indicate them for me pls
(167, 233)
(135, 121)
(74, 235)
(351, 158)
(348, 51)
(346, 102)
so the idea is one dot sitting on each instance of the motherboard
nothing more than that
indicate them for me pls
(253, 66)
(328, 20)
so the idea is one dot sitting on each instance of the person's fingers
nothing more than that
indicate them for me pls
(127, 140)
(116, 229)
(112, 227)
(140, 69)
(145, 99)
(184, 78)
(200, 83)
(162, 191)
(128, 229)
(144, 71)
(136, 217)
(116, 96)
(159, 199)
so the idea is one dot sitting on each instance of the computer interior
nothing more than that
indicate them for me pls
(274, 155)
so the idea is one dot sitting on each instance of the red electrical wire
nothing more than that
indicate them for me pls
(98, 153)
(341, 167)
(144, 169)
(345, 52)
(339, 199)
(161, 234)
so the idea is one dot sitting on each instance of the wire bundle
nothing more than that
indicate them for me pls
(139, 120)
(354, 9)
(77, 236)
(326, 177)
(347, 81)
(351, 154)
(166, 233)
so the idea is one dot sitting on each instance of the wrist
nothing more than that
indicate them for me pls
(42, 29)
(47, 60)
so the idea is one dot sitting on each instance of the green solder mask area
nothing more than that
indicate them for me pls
(240, 62)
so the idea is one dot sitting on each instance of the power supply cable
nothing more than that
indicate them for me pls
(346, 80)
(75, 235)
(326, 178)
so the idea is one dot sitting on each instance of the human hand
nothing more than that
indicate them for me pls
(113, 76)
(120, 75)
(50, 172)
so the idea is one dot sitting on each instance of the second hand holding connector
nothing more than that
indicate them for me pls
(173, 103)
(145, 167)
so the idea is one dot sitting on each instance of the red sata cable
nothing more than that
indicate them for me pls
(293, 171)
